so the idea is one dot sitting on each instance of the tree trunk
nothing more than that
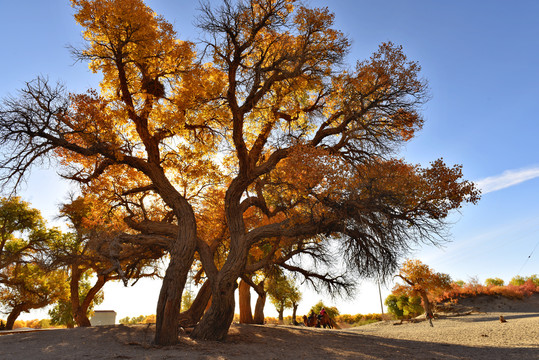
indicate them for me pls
(259, 309)
(80, 309)
(170, 297)
(13, 315)
(280, 311)
(426, 304)
(192, 316)
(182, 253)
(246, 315)
(216, 321)
(294, 310)
(76, 274)
(260, 303)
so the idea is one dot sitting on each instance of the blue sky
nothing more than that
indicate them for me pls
(481, 61)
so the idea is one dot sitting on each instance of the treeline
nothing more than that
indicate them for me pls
(141, 319)
(32, 324)
(352, 320)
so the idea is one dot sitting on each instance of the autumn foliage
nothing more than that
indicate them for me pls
(471, 289)
(254, 150)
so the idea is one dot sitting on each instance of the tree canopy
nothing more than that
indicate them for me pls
(27, 280)
(262, 126)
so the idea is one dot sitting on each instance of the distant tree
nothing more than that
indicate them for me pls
(520, 280)
(459, 283)
(95, 250)
(135, 319)
(17, 222)
(404, 306)
(62, 312)
(517, 280)
(283, 294)
(534, 279)
(421, 280)
(28, 279)
(28, 286)
(494, 282)
(331, 310)
(187, 299)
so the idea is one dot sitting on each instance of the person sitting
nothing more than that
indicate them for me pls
(322, 313)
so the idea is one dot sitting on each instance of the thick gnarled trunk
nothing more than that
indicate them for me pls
(182, 253)
(192, 316)
(260, 303)
(13, 315)
(216, 321)
(170, 297)
(259, 309)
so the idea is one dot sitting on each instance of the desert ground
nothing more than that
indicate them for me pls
(471, 331)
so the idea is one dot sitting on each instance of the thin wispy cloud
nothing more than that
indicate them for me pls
(506, 179)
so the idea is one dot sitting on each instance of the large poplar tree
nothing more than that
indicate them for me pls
(266, 122)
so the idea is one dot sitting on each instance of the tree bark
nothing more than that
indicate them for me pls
(426, 305)
(259, 309)
(13, 315)
(192, 316)
(260, 303)
(80, 309)
(182, 253)
(81, 315)
(216, 321)
(246, 315)
(294, 310)
(170, 297)
(280, 311)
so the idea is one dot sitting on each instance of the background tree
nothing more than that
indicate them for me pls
(27, 279)
(283, 294)
(403, 306)
(246, 314)
(28, 286)
(494, 282)
(17, 222)
(521, 280)
(307, 146)
(95, 251)
(187, 300)
(62, 312)
(421, 280)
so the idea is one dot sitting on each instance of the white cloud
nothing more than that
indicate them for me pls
(506, 179)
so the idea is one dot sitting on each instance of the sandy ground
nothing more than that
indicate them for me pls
(479, 335)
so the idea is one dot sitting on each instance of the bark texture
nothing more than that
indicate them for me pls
(246, 315)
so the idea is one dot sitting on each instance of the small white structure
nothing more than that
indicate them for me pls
(103, 317)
